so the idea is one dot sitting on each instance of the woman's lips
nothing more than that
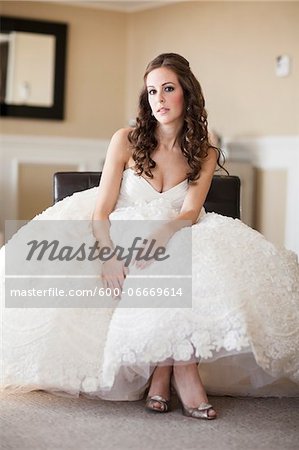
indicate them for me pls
(163, 110)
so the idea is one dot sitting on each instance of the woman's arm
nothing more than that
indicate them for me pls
(197, 193)
(118, 154)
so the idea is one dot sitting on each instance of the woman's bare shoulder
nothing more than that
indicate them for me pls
(122, 134)
(119, 147)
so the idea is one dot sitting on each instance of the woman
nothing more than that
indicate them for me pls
(244, 316)
(171, 130)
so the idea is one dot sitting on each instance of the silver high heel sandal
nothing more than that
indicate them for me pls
(163, 404)
(152, 400)
(200, 412)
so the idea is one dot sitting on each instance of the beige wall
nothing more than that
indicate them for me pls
(95, 79)
(232, 48)
(35, 191)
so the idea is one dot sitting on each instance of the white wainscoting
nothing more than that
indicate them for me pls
(85, 154)
(279, 152)
(274, 152)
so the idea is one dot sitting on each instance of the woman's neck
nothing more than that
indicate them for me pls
(167, 135)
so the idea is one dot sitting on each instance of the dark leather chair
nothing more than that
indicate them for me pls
(223, 197)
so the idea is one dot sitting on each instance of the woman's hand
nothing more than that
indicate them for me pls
(114, 274)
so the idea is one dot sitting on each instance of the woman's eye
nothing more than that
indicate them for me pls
(152, 91)
(169, 88)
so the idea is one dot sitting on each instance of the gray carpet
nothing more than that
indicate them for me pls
(41, 421)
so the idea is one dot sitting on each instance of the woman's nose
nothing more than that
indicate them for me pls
(161, 98)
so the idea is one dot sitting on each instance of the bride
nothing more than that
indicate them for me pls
(240, 336)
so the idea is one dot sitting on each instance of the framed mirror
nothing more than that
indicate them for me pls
(32, 75)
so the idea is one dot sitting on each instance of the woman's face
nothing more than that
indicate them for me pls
(165, 96)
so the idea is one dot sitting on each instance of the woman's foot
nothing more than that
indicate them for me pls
(159, 393)
(191, 392)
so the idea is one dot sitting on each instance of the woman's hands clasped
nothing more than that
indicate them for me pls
(114, 273)
(151, 249)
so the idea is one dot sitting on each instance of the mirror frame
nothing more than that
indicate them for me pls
(59, 30)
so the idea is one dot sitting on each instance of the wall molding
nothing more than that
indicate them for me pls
(272, 152)
(96, 147)
(87, 154)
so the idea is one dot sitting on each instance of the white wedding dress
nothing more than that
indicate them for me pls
(243, 326)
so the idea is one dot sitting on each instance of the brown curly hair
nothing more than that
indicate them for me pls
(193, 138)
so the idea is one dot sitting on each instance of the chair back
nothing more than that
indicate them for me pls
(223, 197)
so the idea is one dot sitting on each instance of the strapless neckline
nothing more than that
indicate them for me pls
(147, 183)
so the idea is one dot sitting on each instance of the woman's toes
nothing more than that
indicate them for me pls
(157, 405)
(212, 413)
